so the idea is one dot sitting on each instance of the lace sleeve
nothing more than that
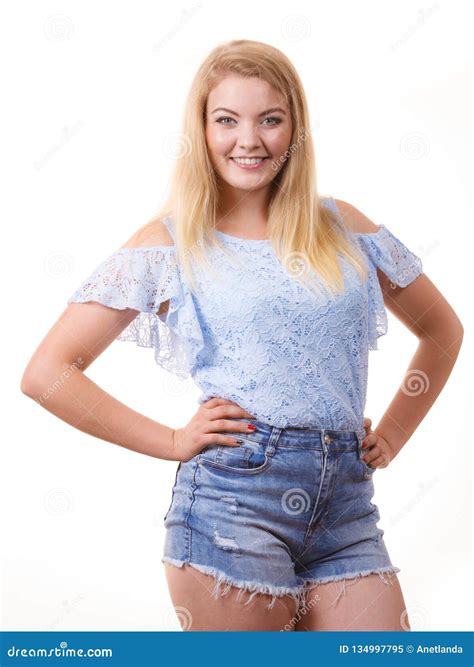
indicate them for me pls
(142, 279)
(386, 252)
(391, 256)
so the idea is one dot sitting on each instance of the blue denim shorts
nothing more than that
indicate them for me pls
(285, 510)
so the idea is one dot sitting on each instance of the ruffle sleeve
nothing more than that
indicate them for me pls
(386, 252)
(142, 279)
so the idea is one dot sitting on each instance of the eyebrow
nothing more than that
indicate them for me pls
(264, 113)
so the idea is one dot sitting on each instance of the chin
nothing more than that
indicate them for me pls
(243, 183)
(246, 188)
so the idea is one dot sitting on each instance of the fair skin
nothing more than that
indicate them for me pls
(368, 603)
(84, 331)
(237, 126)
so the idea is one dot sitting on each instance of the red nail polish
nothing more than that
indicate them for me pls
(251, 427)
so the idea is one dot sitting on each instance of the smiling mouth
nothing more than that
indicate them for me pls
(249, 163)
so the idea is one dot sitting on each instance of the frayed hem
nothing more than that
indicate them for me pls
(221, 579)
(344, 578)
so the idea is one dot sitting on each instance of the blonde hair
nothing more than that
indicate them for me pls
(299, 227)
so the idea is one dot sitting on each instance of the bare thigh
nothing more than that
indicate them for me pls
(197, 610)
(362, 604)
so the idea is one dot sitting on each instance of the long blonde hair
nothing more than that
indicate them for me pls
(301, 230)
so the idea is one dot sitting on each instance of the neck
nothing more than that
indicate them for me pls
(241, 207)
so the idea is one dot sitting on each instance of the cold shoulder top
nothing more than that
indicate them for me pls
(255, 335)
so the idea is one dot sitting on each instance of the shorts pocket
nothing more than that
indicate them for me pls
(367, 471)
(249, 458)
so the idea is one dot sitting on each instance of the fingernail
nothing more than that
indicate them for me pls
(364, 444)
(251, 427)
(239, 442)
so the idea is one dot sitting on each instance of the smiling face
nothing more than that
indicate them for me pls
(247, 118)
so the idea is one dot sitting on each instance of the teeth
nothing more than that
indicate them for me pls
(248, 160)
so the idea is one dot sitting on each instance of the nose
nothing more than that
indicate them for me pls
(249, 139)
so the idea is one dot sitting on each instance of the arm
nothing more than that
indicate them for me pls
(422, 308)
(55, 378)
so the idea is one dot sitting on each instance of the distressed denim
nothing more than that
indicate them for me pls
(285, 510)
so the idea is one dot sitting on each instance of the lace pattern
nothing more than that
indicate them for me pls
(386, 252)
(255, 335)
(142, 279)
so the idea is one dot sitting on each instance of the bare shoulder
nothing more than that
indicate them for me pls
(354, 219)
(153, 233)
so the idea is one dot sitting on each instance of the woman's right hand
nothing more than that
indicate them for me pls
(213, 417)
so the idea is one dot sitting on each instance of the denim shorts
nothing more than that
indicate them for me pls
(287, 509)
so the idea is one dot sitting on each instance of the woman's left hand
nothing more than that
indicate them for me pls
(377, 451)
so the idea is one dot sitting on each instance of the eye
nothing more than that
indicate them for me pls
(274, 118)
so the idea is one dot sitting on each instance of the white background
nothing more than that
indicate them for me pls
(92, 95)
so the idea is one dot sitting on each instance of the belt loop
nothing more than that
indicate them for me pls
(272, 442)
(360, 436)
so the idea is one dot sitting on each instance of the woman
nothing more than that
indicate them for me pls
(270, 297)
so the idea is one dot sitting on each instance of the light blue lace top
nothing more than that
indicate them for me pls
(254, 334)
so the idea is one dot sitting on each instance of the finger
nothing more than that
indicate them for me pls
(370, 440)
(245, 413)
(216, 400)
(380, 462)
(374, 453)
(222, 424)
(230, 410)
(220, 439)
